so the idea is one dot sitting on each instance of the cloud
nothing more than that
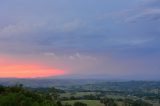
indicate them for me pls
(147, 15)
(146, 12)
(83, 36)
(20, 29)
(132, 42)
(143, 11)
(74, 56)
(50, 54)
(81, 57)
(30, 27)
(70, 26)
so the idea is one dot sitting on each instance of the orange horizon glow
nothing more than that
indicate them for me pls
(10, 68)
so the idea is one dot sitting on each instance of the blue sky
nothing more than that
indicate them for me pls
(113, 38)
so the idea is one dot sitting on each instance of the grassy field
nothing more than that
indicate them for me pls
(77, 94)
(96, 102)
(88, 102)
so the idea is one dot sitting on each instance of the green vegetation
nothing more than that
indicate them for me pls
(97, 94)
(88, 102)
(18, 96)
(77, 94)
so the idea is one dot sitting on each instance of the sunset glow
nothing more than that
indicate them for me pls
(80, 38)
(9, 68)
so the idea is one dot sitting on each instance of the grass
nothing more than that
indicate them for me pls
(88, 102)
(96, 102)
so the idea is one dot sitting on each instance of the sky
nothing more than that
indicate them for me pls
(113, 39)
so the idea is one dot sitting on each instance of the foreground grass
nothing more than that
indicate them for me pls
(88, 102)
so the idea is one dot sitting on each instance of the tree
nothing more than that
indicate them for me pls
(108, 102)
(59, 103)
(18, 96)
(79, 104)
(1, 89)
